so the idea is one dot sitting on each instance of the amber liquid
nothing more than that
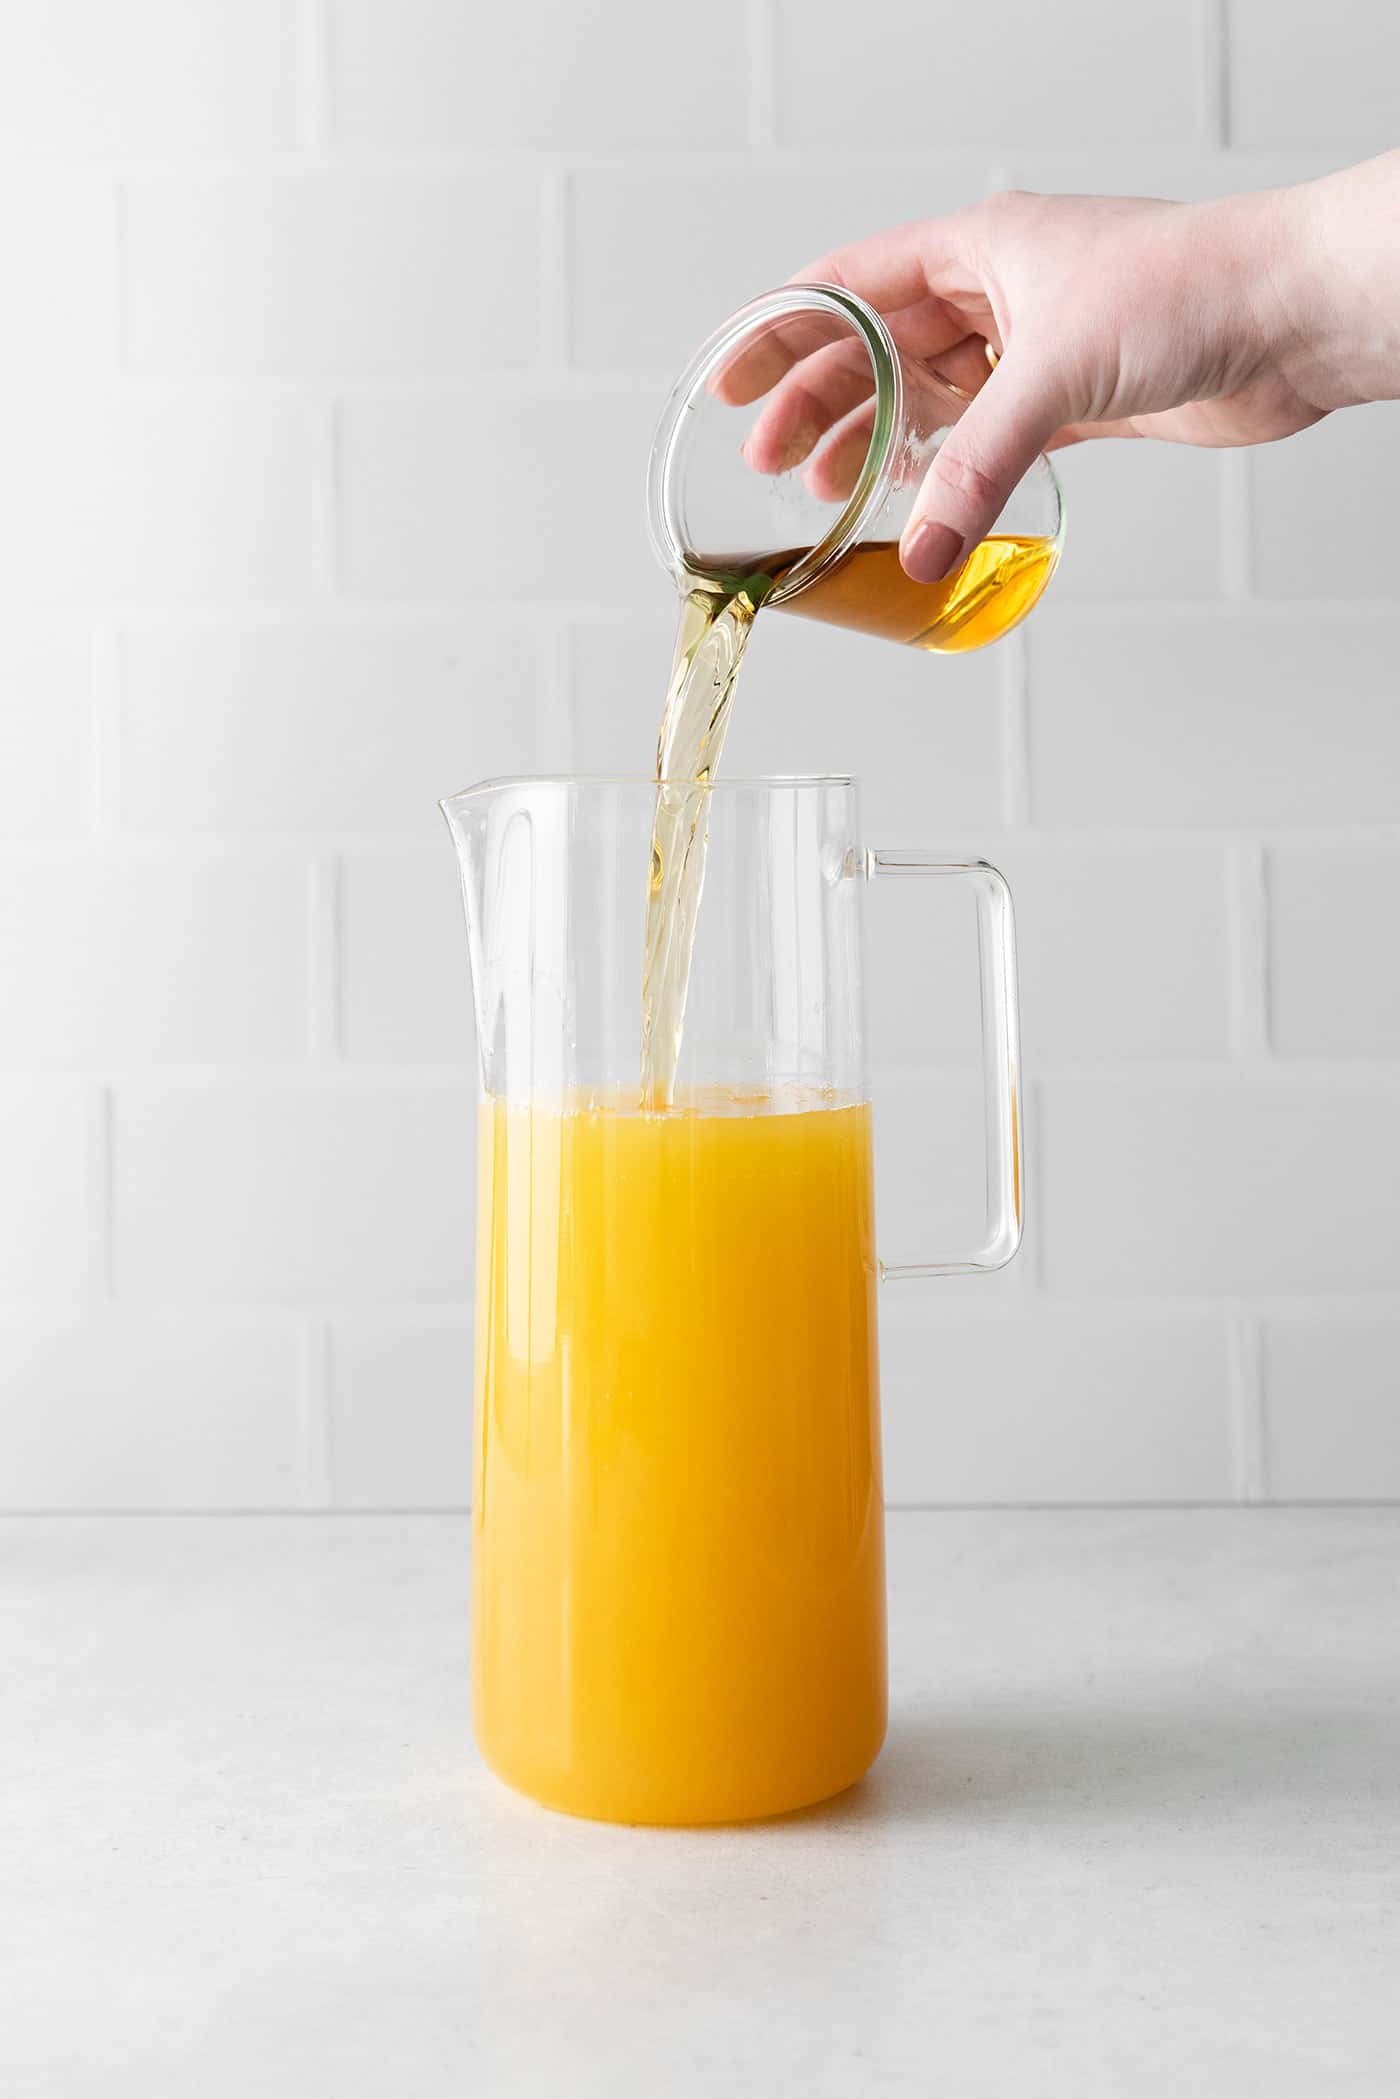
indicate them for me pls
(715, 623)
(991, 592)
(997, 585)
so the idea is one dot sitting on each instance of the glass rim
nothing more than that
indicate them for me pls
(876, 477)
(647, 781)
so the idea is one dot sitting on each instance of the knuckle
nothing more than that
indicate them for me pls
(965, 478)
(1004, 201)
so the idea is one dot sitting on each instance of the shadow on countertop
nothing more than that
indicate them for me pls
(1199, 1759)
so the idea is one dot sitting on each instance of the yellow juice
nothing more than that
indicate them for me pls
(678, 1571)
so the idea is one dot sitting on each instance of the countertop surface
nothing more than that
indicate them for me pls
(1136, 1831)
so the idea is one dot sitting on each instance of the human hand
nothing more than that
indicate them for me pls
(1230, 323)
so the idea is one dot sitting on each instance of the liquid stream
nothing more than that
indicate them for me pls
(990, 593)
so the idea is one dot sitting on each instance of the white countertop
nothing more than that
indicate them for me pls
(1136, 1831)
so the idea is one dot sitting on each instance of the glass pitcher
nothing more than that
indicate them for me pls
(792, 447)
(678, 1606)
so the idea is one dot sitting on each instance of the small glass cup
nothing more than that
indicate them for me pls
(791, 449)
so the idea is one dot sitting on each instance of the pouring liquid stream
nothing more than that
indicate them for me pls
(716, 619)
(720, 597)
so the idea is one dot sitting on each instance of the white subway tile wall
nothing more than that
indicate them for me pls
(118, 497)
(1239, 720)
(160, 1414)
(130, 956)
(1324, 511)
(898, 72)
(404, 995)
(335, 331)
(1054, 1406)
(298, 1192)
(85, 81)
(1144, 522)
(50, 1233)
(1335, 933)
(46, 732)
(399, 1395)
(649, 320)
(57, 236)
(480, 495)
(1333, 1429)
(330, 275)
(410, 74)
(1308, 77)
(308, 727)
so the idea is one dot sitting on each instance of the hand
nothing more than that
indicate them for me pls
(1230, 323)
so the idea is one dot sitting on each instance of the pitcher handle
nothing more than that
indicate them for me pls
(1001, 1058)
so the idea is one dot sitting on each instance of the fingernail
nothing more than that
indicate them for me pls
(930, 551)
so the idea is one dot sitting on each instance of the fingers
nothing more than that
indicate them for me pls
(764, 356)
(836, 466)
(821, 390)
(828, 384)
(997, 440)
(924, 329)
(965, 365)
(900, 266)
(835, 470)
(917, 276)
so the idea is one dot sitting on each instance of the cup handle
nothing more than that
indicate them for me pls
(1001, 1058)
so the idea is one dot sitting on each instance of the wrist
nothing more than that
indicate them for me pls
(1336, 285)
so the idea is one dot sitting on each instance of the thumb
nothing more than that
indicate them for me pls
(995, 442)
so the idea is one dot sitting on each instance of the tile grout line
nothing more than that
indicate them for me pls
(1247, 947)
(323, 1020)
(555, 259)
(501, 160)
(1013, 688)
(264, 1315)
(316, 73)
(559, 709)
(1234, 515)
(326, 507)
(104, 778)
(435, 1511)
(156, 839)
(1248, 1445)
(100, 1180)
(763, 75)
(1032, 1251)
(1023, 1310)
(1212, 55)
(1278, 616)
(1314, 1078)
(314, 1432)
(109, 332)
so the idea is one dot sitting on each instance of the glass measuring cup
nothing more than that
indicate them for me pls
(791, 450)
